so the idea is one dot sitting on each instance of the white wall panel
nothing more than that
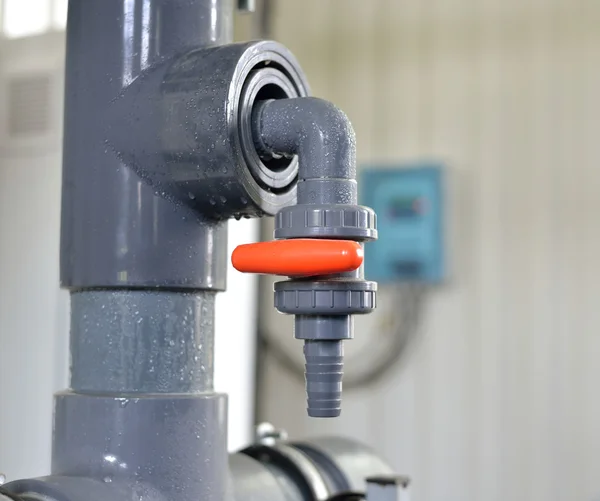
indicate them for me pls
(497, 400)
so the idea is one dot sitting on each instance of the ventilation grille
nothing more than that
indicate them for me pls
(29, 106)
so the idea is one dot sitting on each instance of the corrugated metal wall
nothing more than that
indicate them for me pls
(499, 398)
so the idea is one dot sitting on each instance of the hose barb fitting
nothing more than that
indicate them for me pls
(322, 138)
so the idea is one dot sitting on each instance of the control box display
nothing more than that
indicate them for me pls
(409, 206)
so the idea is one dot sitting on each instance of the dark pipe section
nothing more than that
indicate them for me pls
(322, 137)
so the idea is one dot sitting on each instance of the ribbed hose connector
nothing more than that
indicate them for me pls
(324, 371)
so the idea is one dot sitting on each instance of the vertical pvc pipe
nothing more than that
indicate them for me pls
(143, 271)
(117, 230)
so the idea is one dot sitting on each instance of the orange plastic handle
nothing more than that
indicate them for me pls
(298, 257)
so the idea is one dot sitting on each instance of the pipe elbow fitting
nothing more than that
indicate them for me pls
(314, 129)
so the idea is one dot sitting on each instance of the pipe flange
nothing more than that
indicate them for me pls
(326, 221)
(333, 297)
(196, 145)
(266, 71)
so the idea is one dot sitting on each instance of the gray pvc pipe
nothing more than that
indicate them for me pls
(175, 445)
(117, 230)
(322, 137)
(142, 342)
(143, 270)
(118, 234)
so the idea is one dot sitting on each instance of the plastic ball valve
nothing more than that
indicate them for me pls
(318, 239)
(322, 304)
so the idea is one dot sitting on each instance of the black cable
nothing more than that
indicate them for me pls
(407, 318)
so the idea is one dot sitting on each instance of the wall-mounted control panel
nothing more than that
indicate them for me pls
(409, 206)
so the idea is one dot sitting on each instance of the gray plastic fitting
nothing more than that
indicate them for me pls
(324, 370)
(322, 137)
(326, 221)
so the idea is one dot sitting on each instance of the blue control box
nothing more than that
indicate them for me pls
(409, 206)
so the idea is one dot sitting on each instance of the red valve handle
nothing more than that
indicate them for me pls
(298, 257)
